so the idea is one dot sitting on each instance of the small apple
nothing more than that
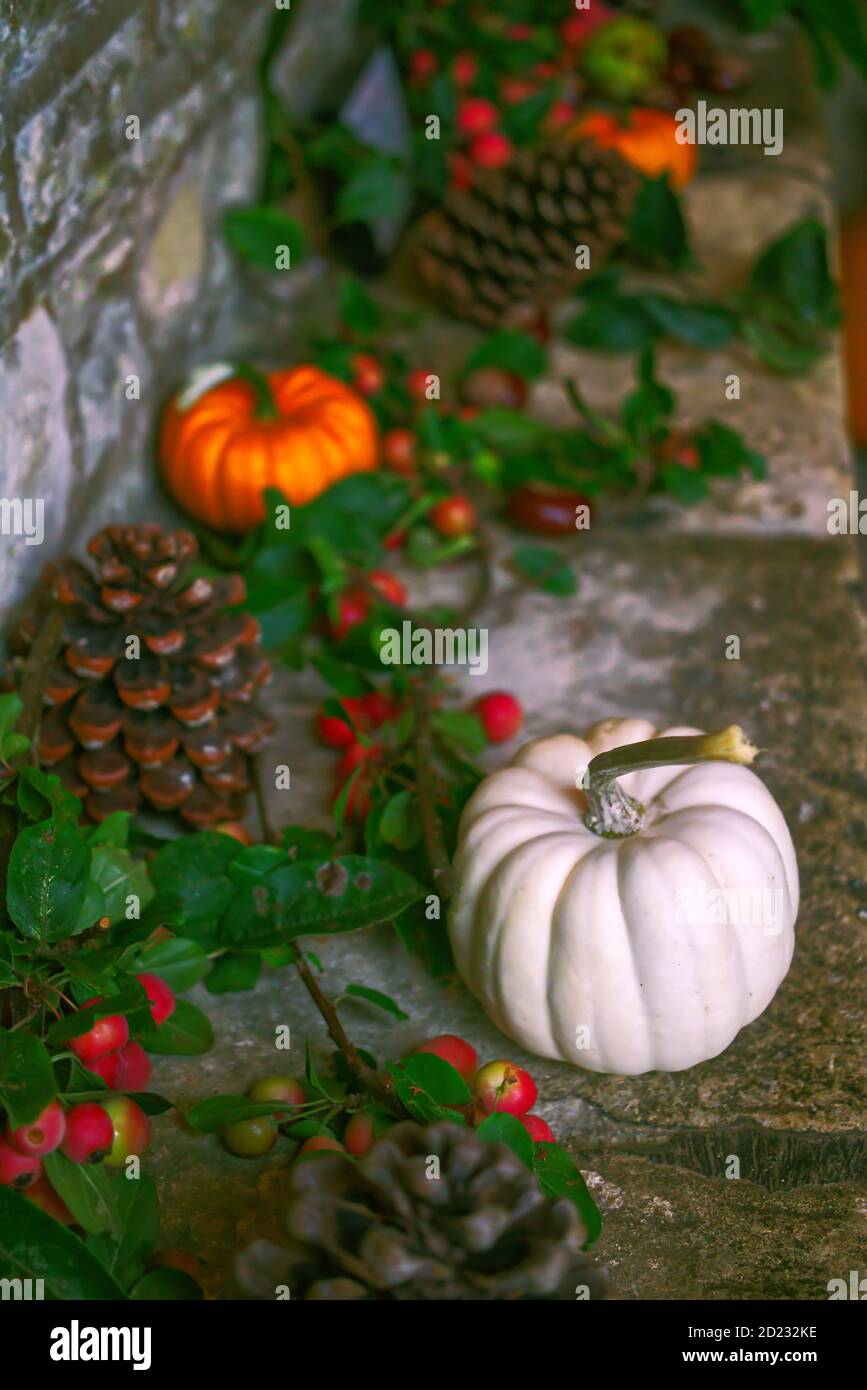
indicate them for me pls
(131, 1130)
(539, 1131)
(504, 1088)
(108, 1034)
(250, 1138)
(160, 997)
(18, 1170)
(89, 1134)
(42, 1135)
(320, 1142)
(278, 1088)
(457, 1051)
(359, 1135)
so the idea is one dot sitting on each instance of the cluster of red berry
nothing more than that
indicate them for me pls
(108, 1132)
(484, 145)
(499, 713)
(498, 1088)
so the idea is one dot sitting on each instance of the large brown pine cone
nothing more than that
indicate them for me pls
(151, 694)
(507, 246)
(431, 1212)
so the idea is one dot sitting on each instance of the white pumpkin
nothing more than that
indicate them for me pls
(647, 942)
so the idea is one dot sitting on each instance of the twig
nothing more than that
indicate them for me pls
(373, 1083)
(425, 773)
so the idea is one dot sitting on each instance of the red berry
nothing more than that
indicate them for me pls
(111, 1068)
(418, 383)
(368, 375)
(461, 1054)
(236, 831)
(395, 540)
(501, 715)
(491, 151)
(107, 1035)
(504, 1088)
(422, 63)
(354, 756)
(278, 1088)
(538, 1130)
(378, 708)
(89, 1134)
(475, 116)
(320, 1142)
(577, 28)
(460, 172)
(453, 516)
(130, 1128)
(545, 70)
(43, 1195)
(519, 33)
(335, 732)
(18, 1170)
(353, 607)
(516, 89)
(388, 586)
(137, 1067)
(398, 451)
(42, 1135)
(160, 996)
(464, 69)
(559, 115)
(359, 1135)
(678, 447)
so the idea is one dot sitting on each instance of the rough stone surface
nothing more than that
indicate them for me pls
(645, 635)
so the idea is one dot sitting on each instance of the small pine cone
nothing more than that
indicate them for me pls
(431, 1213)
(151, 695)
(507, 245)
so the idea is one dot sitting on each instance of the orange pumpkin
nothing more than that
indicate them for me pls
(297, 431)
(853, 258)
(646, 139)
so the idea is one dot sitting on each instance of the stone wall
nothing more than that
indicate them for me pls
(111, 258)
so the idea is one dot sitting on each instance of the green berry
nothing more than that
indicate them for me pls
(250, 1138)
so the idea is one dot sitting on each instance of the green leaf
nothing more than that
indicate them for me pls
(437, 1078)
(218, 1112)
(310, 898)
(375, 996)
(48, 874)
(35, 1246)
(42, 794)
(233, 972)
(87, 1189)
(358, 310)
(179, 962)
(300, 843)
(400, 823)
(508, 1130)
(120, 877)
(135, 1228)
(256, 233)
(170, 1284)
(546, 569)
(330, 1090)
(379, 190)
(254, 863)
(795, 269)
(657, 230)
(10, 712)
(27, 1082)
(114, 830)
(616, 324)
(187, 1033)
(194, 869)
(686, 485)
(348, 681)
(701, 325)
(461, 729)
(412, 1089)
(558, 1176)
(516, 352)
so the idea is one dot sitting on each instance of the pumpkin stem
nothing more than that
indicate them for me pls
(263, 401)
(612, 812)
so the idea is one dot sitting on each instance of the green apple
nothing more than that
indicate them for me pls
(624, 58)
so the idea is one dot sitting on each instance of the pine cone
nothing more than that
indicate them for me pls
(507, 245)
(391, 1228)
(165, 717)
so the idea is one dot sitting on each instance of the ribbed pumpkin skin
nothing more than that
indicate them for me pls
(556, 929)
(217, 456)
